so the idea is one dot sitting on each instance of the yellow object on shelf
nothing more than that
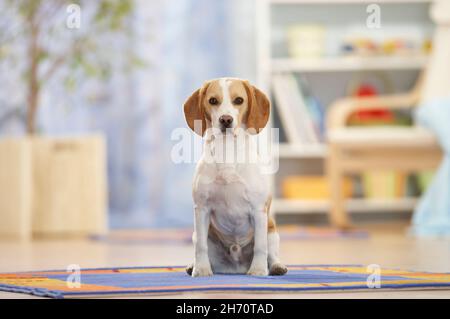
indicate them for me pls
(384, 185)
(311, 187)
(306, 40)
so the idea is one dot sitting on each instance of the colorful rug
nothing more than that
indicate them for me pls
(184, 235)
(161, 280)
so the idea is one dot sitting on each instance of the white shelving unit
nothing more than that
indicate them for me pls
(354, 205)
(337, 64)
(295, 151)
(345, 1)
(304, 159)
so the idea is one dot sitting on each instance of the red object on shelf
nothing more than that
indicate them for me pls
(374, 115)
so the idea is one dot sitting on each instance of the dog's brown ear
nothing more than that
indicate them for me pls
(258, 109)
(194, 111)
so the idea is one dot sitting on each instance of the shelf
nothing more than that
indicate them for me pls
(354, 205)
(350, 63)
(348, 1)
(290, 206)
(308, 159)
(302, 151)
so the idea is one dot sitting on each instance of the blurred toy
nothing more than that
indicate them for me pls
(370, 117)
(362, 46)
(306, 40)
(359, 46)
(370, 84)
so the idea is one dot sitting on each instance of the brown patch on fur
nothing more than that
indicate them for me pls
(194, 110)
(271, 226)
(237, 89)
(213, 90)
(258, 109)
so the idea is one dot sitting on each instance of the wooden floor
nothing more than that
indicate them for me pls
(388, 246)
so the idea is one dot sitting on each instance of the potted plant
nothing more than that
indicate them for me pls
(55, 185)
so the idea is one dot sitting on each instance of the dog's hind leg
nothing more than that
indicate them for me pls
(276, 268)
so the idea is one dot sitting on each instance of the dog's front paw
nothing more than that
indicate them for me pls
(278, 269)
(256, 270)
(202, 271)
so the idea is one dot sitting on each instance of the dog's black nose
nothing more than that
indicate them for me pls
(226, 120)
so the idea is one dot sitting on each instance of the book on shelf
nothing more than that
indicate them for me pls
(315, 108)
(300, 113)
(281, 95)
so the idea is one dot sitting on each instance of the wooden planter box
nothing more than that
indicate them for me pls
(15, 188)
(69, 191)
(64, 180)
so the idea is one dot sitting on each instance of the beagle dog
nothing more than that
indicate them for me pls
(233, 231)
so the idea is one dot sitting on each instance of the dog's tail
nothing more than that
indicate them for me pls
(235, 252)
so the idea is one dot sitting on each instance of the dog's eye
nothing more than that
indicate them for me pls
(213, 101)
(238, 101)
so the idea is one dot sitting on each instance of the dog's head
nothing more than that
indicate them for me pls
(227, 104)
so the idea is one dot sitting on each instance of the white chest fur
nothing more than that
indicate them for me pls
(229, 182)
